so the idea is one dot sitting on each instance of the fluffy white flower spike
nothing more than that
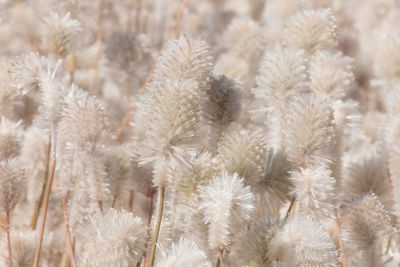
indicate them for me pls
(310, 129)
(314, 189)
(302, 242)
(114, 239)
(282, 74)
(183, 253)
(227, 205)
(171, 123)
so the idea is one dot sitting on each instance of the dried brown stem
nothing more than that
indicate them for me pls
(150, 209)
(47, 195)
(8, 238)
(131, 197)
(290, 207)
(341, 245)
(220, 257)
(100, 203)
(124, 123)
(390, 188)
(40, 201)
(67, 232)
(71, 67)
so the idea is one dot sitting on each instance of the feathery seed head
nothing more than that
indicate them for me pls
(281, 73)
(12, 184)
(364, 220)
(311, 30)
(364, 172)
(184, 58)
(168, 119)
(302, 242)
(204, 168)
(114, 239)
(243, 152)
(183, 253)
(275, 185)
(10, 138)
(331, 74)
(52, 93)
(25, 72)
(314, 189)
(23, 245)
(227, 205)
(245, 38)
(60, 35)
(257, 242)
(310, 128)
(86, 110)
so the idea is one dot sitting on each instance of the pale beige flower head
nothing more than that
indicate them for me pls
(184, 58)
(168, 118)
(10, 138)
(12, 184)
(60, 35)
(25, 71)
(82, 110)
(331, 74)
(243, 152)
(311, 30)
(309, 130)
(364, 222)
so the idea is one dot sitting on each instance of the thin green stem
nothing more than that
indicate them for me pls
(157, 230)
